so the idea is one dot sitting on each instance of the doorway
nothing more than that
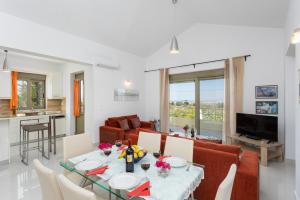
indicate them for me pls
(79, 121)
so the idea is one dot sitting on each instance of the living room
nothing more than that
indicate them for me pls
(123, 55)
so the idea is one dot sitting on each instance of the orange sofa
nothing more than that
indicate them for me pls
(112, 131)
(217, 159)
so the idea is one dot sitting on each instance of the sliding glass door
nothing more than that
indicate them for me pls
(197, 100)
(211, 107)
(182, 105)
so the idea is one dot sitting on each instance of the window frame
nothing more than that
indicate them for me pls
(30, 78)
(196, 77)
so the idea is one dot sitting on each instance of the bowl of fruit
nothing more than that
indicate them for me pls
(139, 153)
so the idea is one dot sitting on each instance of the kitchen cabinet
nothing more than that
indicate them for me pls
(5, 85)
(55, 86)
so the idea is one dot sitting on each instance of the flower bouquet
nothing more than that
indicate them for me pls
(104, 146)
(163, 168)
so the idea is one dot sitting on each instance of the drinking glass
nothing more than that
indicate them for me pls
(145, 165)
(157, 154)
(118, 143)
(107, 152)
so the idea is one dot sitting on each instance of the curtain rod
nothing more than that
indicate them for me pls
(200, 63)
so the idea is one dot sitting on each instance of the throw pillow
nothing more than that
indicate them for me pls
(124, 124)
(136, 123)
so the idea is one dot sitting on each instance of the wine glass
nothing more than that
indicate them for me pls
(118, 143)
(145, 165)
(157, 154)
(107, 152)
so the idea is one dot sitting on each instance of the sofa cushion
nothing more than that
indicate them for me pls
(123, 123)
(113, 121)
(129, 117)
(135, 122)
(220, 147)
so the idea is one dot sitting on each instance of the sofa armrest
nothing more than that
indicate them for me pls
(110, 134)
(246, 184)
(147, 125)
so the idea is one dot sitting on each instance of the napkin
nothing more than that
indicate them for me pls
(142, 190)
(100, 170)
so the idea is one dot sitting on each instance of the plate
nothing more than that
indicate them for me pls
(176, 162)
(89, 165)
(124, 181)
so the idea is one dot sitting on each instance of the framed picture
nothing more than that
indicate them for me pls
(266, 92)
(267, 107)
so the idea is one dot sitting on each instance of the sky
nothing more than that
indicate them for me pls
(210, 90)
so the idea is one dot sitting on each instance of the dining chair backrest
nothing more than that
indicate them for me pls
(71, 191)
(49, 185)
(149, 141)
(179, 147)
(225, 188)
(76, 145)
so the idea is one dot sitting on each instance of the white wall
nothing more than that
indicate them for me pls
(293, 22)
(297, 119)
(210, 42)
(31, 37)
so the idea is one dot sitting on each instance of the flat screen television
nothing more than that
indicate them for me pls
(257, 126)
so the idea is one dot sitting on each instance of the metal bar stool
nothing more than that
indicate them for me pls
(27, 130)
(27, 122)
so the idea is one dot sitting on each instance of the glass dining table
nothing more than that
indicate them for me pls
(178, 185)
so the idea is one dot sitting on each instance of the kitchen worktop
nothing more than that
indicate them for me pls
(23, 115)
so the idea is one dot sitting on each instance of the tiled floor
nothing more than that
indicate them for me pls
(19, 182)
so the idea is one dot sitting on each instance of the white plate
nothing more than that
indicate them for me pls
(176, 162)
(89, 165)
(124, 181)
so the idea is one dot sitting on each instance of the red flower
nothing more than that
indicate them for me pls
(104, 146)
(162, 164)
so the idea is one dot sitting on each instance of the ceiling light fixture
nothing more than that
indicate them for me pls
(4, 66)
(174, 49)
(296, 37)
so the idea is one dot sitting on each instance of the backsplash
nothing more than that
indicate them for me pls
(5, 108)
(56, 105)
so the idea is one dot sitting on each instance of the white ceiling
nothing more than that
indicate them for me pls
(142, 26)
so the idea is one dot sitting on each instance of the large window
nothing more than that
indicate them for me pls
(197, 100)
(31, 91)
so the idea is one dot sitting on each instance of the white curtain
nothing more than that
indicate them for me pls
(234, 79)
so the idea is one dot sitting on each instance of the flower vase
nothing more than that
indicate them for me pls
(163, 172)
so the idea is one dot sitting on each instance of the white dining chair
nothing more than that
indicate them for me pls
(179, 147)
(76, 145)
(49, 185)
(149, 141)
(73, 146)
(71, 191)
(225, 188)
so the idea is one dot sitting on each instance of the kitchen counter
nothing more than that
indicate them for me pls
(23, 115)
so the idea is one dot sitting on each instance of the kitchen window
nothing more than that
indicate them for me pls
(31, 91)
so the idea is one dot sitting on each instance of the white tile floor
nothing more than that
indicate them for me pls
(19, 182)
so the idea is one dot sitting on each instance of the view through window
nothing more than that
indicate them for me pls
(31, 91)
(203, 94)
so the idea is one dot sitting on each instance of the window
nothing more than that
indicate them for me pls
(197, 100)
(31, 91)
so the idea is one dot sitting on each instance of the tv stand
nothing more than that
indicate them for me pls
(267, 150)
(253, 137)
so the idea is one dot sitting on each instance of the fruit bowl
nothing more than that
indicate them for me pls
(139, 153)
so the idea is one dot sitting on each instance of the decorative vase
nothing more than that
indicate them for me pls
(163, 172)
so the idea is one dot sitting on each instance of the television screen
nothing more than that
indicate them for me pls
(257, 126)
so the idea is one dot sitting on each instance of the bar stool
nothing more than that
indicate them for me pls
(27, 122)
(27, 130)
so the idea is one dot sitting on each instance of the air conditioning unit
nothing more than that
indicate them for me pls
(108, 64)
